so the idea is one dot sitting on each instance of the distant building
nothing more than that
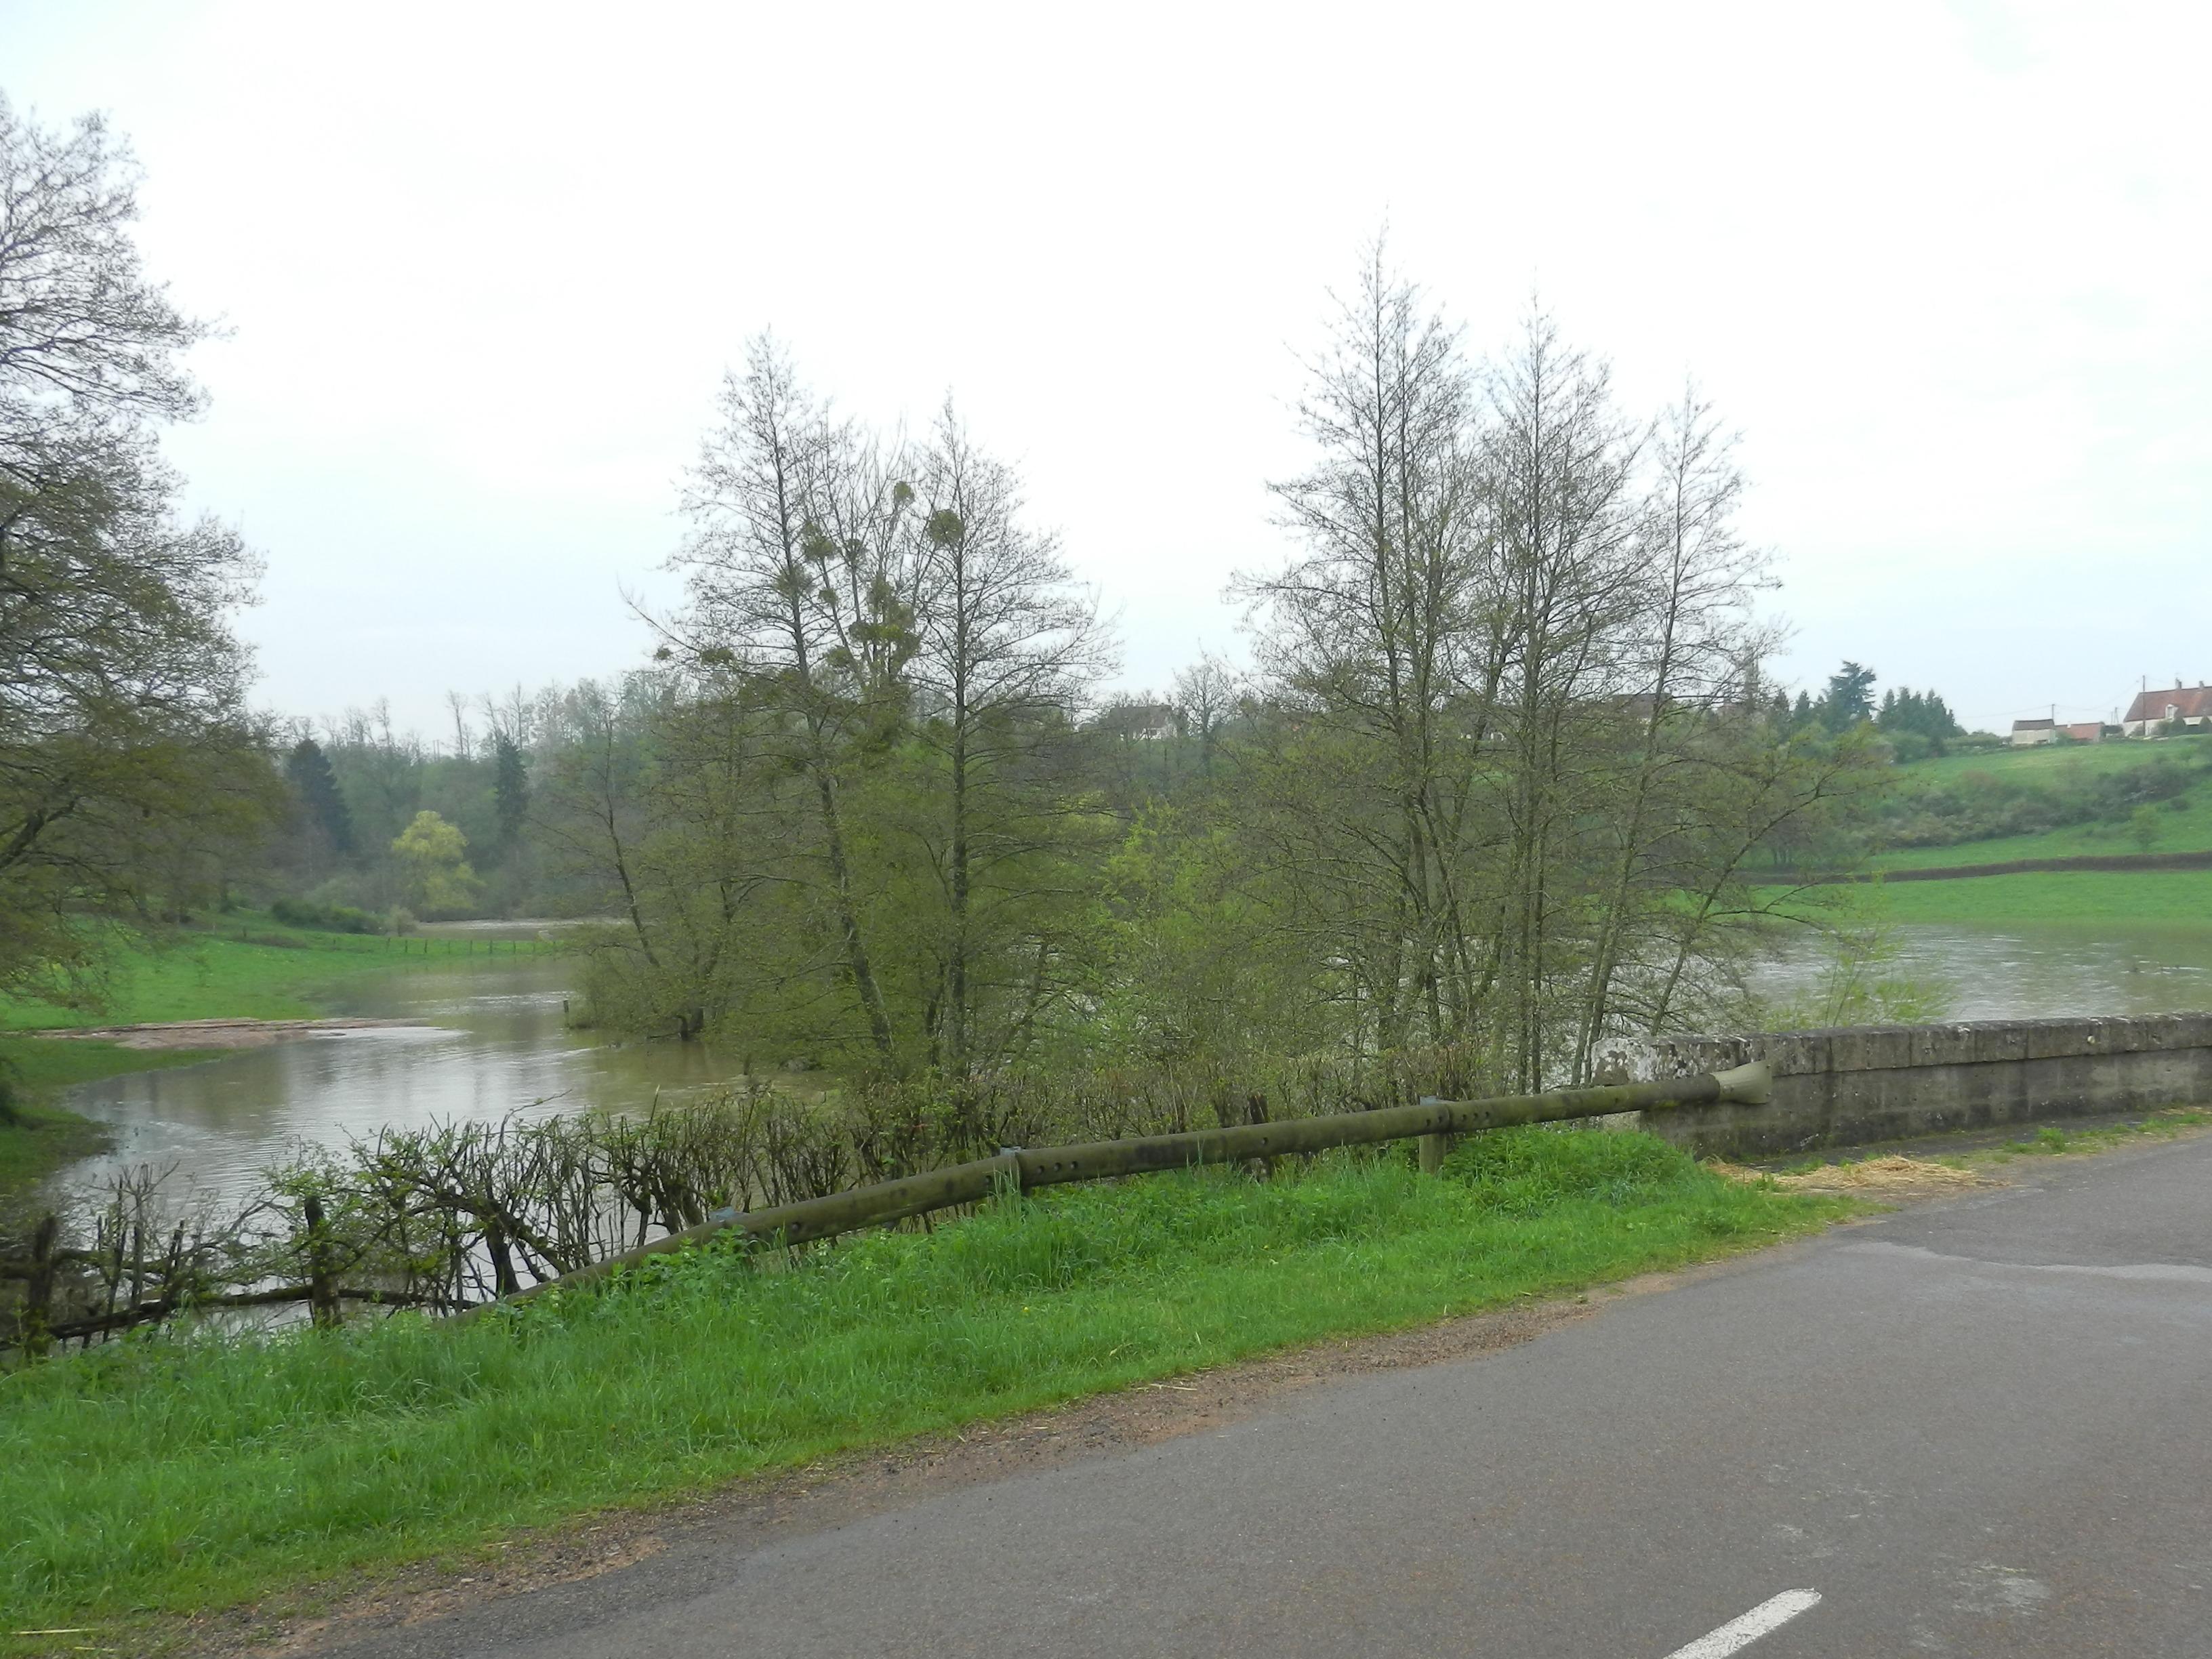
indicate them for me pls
(2085, 731)
(2191, 705)
(2025, 733)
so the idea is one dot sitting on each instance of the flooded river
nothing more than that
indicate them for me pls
(2038, 971)
(493, 1040)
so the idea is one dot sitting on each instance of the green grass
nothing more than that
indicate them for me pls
(46, 1136)
(2178, 897)
(163, 1477)
(272, 972)
(2051, 1141)
(2057, 760)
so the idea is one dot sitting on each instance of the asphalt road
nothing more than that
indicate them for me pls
(1981, 1427)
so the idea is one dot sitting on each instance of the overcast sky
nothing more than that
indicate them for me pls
(1947, 266)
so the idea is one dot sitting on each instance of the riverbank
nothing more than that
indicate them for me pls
(170, 1478)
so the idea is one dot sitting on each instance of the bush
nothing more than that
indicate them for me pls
(1983, 805)
(324, 918)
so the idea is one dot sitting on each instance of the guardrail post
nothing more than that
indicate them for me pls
(1434, 1147)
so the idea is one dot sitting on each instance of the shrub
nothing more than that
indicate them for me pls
(325, 918)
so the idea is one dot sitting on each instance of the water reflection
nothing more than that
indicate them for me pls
(493, 1040)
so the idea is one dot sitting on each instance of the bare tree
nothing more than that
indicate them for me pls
(795, 576)
(1378, 633)
(1206, 696)
(457, 703)
(1559, 465)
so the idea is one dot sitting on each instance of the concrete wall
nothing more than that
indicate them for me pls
(1871, 1083)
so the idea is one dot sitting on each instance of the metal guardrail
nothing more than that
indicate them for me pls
(1025, 1170)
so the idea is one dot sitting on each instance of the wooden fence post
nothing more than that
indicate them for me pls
(1434, 1147)
(322, 1295)
(38, 1291)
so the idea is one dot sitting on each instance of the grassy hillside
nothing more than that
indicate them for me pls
(2054, 802)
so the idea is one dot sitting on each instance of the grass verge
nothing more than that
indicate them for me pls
(1975, 1158)
(160, 1478)
(2053, 1139)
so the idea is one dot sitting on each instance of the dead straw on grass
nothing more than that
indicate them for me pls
(1892, 1173)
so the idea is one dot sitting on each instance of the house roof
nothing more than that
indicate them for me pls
(2032, 725)
(2194, 702)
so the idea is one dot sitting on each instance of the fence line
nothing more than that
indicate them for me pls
(1023, 1170)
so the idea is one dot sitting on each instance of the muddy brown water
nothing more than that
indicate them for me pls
(2043, 970)
(493, 1040)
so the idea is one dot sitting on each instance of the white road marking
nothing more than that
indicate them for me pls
(1742, 1632)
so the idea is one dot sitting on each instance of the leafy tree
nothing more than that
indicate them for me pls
(433, 860)
(1848, 698)
(131, 773)
(1921, 714)
(892, 661)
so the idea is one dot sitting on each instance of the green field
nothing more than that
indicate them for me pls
(2179, 896)
(242, 968)
(2048, 760)
(2189, 831)
(164, 1476)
